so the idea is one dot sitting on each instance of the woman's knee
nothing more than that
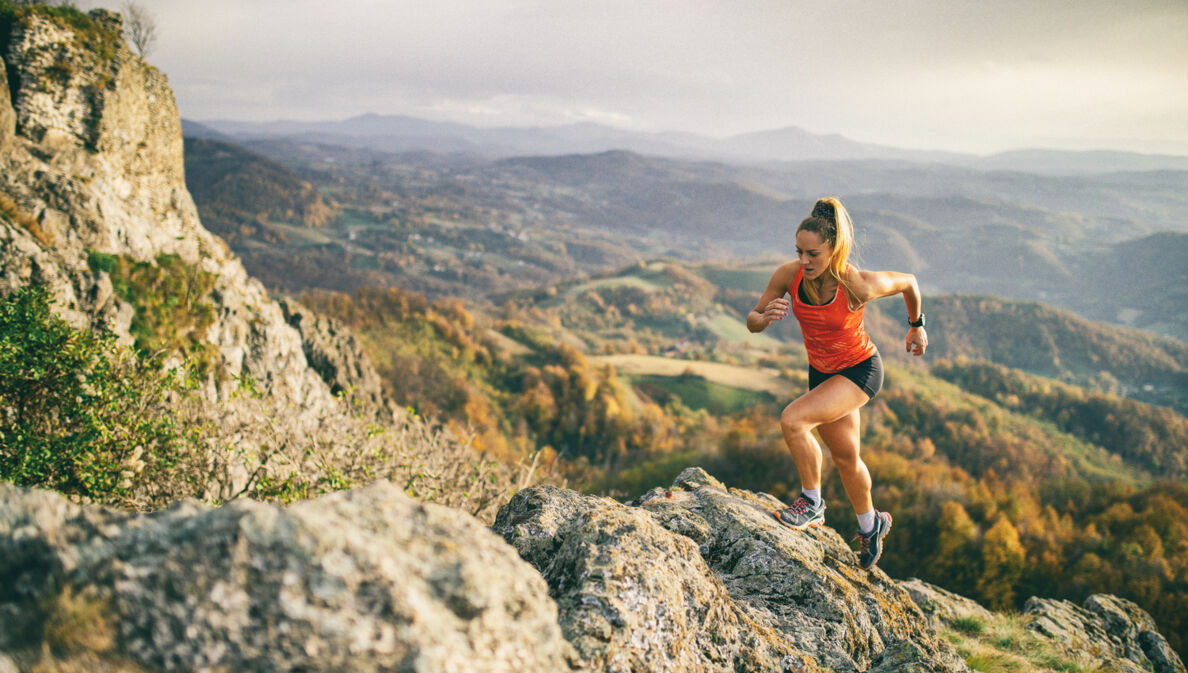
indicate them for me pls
(791, 421)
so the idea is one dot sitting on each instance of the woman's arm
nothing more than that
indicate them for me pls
(772, 306)
(871, 285)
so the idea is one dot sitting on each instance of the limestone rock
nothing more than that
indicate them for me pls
(91, 150)
(334, 352)
(1121, 633)
(367, 580)
(705, 579)
(7, 117)
(943, 607)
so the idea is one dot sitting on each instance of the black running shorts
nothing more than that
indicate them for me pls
(867, 375)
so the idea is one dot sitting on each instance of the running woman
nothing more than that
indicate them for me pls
(828, 298)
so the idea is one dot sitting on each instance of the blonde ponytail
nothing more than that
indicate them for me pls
(832, 223)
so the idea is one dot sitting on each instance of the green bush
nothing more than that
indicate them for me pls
(77, 414)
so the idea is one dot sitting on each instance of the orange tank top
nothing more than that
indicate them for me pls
(834, 336)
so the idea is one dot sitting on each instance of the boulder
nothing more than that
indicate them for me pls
(1120, 633)
(367, 580)
(699, 577)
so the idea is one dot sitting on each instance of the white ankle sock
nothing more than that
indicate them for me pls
(813, 494)
(866, 522)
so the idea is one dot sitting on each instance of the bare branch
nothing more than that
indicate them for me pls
(140, 28)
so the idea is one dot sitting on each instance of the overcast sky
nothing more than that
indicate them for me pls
(964, 75)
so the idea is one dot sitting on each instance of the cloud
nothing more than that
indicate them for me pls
(907, 72)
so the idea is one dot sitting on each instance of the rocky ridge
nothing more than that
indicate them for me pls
(91, 162)
(694, 577)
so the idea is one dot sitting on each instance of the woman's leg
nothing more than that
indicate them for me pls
(842, 438)
(833, 400)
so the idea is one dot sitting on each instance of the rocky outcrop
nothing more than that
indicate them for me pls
(942, 607)
(696, 577)
(1118, 632)
(700, 577)
(91, 158)
(368, 580)
(335, 354)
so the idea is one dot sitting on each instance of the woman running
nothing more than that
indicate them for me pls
(828, 297)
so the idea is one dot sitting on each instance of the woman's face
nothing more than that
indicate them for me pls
(813, 252)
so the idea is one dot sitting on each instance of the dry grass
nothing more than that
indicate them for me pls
(1004, 644)
(256, 447)
(78, 623)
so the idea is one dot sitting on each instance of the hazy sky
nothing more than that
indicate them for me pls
(965, 75)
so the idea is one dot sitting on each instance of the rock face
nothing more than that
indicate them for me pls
(91, 158)
(334, 352)
(1121, 633)
(368, 580)
(701, 578)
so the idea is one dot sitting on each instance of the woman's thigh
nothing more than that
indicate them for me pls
(831, 401)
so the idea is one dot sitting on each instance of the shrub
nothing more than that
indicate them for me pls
(88, 419)
(77, 414)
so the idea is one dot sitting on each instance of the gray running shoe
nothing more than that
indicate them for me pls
(871, 545)
(802, 514)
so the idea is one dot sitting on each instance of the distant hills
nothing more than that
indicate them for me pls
(238, 192)
(395, 133)
(1108, 246)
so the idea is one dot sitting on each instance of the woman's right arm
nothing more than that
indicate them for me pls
(772, 305)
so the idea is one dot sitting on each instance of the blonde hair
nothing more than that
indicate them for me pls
(832, 223)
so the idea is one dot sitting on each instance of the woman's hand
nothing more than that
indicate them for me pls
(917, 341)
(776, 309)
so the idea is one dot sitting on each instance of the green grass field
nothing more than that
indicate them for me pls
(751, 378)
(749, 279)
(698, 393)
(731, 328)
(617, 281)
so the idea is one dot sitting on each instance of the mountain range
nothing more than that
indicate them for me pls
(394, 133)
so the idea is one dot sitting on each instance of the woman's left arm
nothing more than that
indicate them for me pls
(873, 285)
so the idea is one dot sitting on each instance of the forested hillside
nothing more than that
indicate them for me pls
(244, 195)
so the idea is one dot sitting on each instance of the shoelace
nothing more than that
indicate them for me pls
(800, 506)
(862, 540)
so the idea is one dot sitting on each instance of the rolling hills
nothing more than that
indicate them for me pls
(1108, 246)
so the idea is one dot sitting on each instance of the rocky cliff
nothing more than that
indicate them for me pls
(692, 578)
(91, 164)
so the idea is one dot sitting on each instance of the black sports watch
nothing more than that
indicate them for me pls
(917, 323)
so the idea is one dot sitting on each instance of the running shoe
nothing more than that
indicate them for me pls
(803, 513)
(871, 544)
